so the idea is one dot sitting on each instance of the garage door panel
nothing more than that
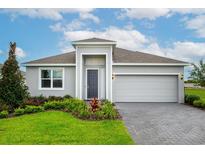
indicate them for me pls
(145, 89)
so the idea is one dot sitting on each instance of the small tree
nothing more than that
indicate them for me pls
(198, 73)
(13, 90)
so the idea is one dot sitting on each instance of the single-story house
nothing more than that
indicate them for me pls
(97, 68)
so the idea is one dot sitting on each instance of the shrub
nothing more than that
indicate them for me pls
(33, 109)
(199, 103)
(75, 105)
(109, 111)
(84, 114)
(186, 98)
(98, 115)
(4, 114)
(36, 100)
(55, 105)
(203, 104)
(3, 105)
(94, 104)
(191, 98)
(67, 97)
(18, 111)
(55, 98)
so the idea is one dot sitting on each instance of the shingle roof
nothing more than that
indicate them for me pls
(94, 39)
(119, 56)
(126, 56)
(58, 59)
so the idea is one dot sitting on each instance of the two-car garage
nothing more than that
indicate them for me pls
(145, 88)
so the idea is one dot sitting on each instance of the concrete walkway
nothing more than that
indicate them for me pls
(164, 123)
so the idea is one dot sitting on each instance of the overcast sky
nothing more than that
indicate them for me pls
(175, 33)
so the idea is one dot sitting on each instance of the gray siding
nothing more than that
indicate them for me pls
(32, 81)
(155, 69)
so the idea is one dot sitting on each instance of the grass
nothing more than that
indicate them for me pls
(56, 127)
(194, 91)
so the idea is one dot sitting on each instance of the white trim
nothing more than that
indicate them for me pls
(50, 64)
(48, 68)
(89, 53)
(86, 80)
(91, 43)
(150, 64)
(146, 74)
(76, 74)
(93, 46)
(106, 57)
(81, 66)
(106, 82)
(111, 74)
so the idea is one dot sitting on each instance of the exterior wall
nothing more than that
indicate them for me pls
(82, 50)
(156, 69)
(32, 81)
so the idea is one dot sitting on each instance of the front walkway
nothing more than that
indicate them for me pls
(164, 123)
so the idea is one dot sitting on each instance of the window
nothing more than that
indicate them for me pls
(51, 79)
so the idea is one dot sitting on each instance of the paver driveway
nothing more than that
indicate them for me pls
(164, 123)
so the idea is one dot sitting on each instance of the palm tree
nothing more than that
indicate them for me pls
(198, 73)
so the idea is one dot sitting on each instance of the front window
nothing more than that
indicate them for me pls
(52, 78)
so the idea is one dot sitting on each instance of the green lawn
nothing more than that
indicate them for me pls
(56, 127)
(199, 92)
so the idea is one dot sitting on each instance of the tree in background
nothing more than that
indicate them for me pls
(13, 90)
(198, 73)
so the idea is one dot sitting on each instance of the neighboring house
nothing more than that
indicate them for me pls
(97, 68)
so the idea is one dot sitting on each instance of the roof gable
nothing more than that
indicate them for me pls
(94, 39)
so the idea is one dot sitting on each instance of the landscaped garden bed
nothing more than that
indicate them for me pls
(95, 110)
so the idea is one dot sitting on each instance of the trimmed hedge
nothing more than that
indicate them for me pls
(33, 109)
(109, 111)
(4, 114)
(19, 111)
(189, 99)
(199, 103)
(73, 105)
(40, 100)
(54, 105)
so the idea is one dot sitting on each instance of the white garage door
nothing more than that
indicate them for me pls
(145, 88)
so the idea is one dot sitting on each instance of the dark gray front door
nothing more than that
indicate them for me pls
(92, 83)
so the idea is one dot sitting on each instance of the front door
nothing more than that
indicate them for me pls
(92, 83)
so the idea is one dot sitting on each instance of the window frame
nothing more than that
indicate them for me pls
(52, 69)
